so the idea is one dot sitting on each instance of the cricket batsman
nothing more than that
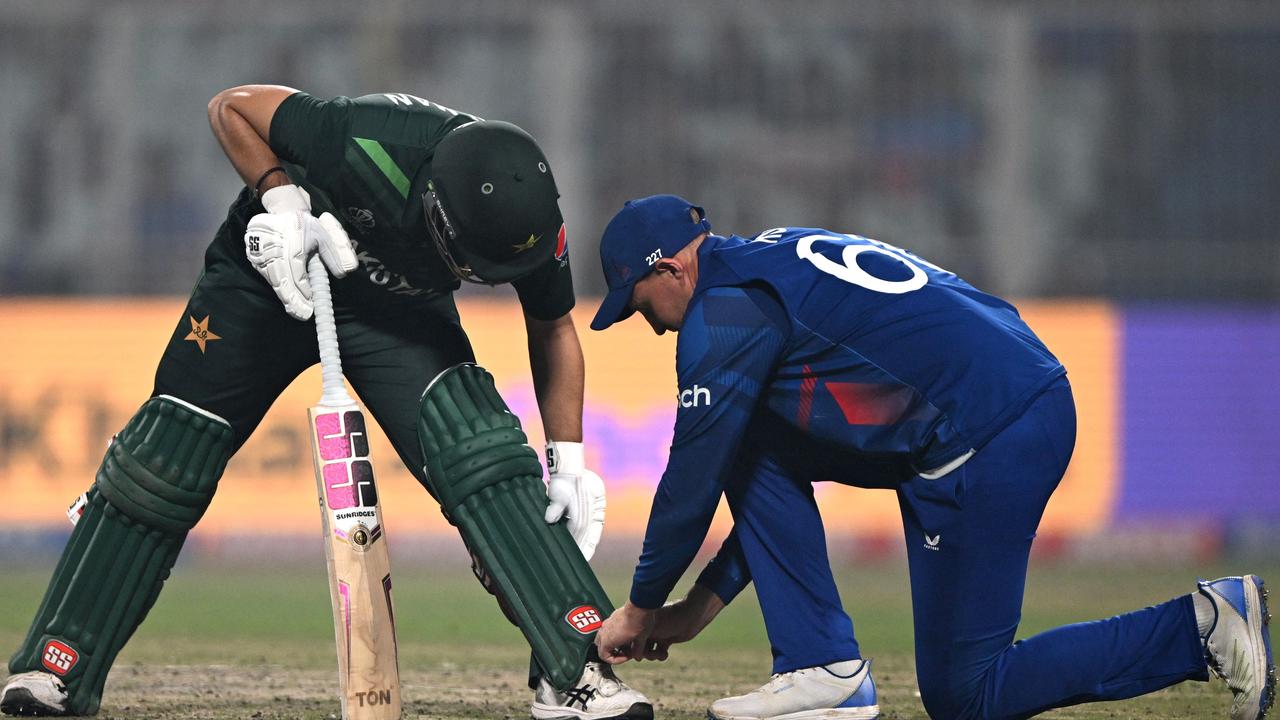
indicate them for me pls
(806, 355)
(402, 198)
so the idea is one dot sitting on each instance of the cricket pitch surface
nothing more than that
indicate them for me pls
(236, 642)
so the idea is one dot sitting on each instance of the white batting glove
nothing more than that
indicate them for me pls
(576, 493)
(279, 241)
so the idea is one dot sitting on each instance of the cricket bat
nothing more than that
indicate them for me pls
(354, 542)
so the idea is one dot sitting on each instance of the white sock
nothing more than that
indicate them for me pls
(1206, 612)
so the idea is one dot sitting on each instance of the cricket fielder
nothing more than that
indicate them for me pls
(807, 355)
(402, 198)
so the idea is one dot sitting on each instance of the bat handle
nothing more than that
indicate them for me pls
(334, 390)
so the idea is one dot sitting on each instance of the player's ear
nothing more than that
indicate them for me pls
(668, 266)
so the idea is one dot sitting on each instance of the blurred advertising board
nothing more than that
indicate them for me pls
(1155, 391)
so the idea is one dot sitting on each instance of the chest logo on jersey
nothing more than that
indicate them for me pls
(362, 218)
(382, 276)
(696, 396)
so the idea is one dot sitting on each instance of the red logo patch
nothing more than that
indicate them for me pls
(59, 657)
(584, 618)
(562, 244)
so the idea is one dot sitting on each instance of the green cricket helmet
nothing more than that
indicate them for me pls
(491, 203)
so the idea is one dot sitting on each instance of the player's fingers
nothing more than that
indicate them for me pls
(615, 656)
(656, 650)
(610, 645)
(590, 539)
(335, 247)
(295, 303)
(637, 649)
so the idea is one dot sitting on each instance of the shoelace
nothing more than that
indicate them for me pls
(609, 684)
(777, 680)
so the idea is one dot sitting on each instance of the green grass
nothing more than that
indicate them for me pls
(229, 642)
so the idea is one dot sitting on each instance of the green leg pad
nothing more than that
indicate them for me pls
(154, 484)
(489, 484)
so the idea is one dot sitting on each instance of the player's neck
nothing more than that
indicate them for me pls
(688, 257)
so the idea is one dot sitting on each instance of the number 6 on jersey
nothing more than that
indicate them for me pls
(356, 551)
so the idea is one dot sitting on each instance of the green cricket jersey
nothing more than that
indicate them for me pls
(367, 160)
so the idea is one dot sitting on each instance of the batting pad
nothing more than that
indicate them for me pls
(155, 482)
(489, 484)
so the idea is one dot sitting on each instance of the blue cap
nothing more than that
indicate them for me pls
(643, 231)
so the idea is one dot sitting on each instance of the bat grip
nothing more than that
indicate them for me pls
(334, 390)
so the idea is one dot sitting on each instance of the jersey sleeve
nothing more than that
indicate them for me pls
(729, 345)
(310, 132)
(317, 134)
(727, 574)
(547, 293)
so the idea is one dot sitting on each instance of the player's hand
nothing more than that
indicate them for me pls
(681, 621)
(625, 634)
(279, 241)
(576, 493)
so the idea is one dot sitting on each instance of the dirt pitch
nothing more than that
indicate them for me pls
(486, 685)
(257, 643)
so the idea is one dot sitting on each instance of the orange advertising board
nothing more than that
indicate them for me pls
(72, 372)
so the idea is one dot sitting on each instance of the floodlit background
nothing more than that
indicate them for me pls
(1113, 168)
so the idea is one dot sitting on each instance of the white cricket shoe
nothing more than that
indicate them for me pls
(839, 690)
(34, 694)
(1238, 644)
(597, 695)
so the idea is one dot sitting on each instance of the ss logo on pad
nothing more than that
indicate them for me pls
(59, 657)
(584, 618)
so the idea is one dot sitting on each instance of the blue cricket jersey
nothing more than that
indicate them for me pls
(850, 340)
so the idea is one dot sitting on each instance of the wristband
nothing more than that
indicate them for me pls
(257, 187)
(565, 457)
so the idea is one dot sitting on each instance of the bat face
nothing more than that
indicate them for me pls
(359, 566)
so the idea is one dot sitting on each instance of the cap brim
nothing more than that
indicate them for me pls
(615, 307)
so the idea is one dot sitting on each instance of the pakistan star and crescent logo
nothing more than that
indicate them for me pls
(200, 332)
(533, 239)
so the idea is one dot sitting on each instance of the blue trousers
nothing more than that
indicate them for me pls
(968, 537)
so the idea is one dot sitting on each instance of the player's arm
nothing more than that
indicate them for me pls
(717, 585)
(681, 621)
(735, 336)
(719, 389)
(727, 574)
(278, 241)
(555, 357)
(241, 121)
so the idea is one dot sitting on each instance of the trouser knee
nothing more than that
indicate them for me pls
(947, 696)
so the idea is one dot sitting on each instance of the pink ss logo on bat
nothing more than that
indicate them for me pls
(344, 448)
